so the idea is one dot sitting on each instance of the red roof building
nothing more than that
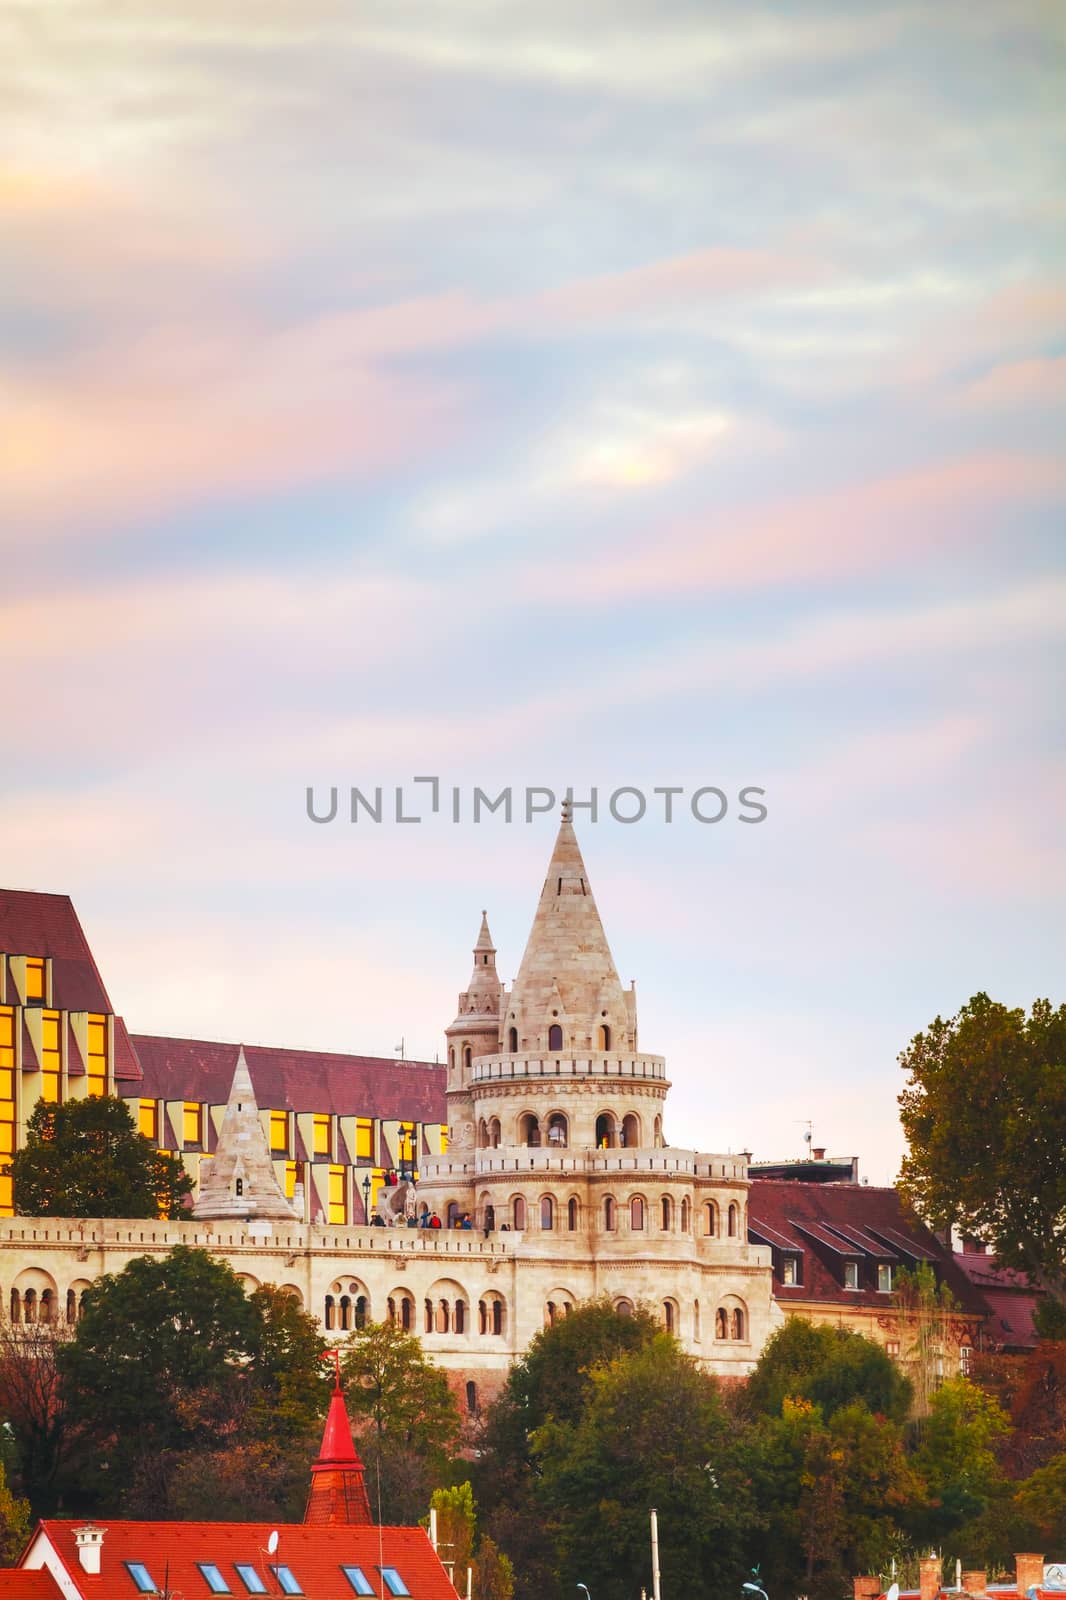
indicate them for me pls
(1010, 1297)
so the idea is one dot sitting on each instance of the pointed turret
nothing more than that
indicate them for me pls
(567, 991)
(239, 1183)
(338, 1489)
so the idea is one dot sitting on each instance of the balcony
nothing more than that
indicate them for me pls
(507, 1069)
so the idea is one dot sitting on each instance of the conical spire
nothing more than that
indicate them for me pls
(484, 938)
(239, 1183)
(338, 1489)
(567, 978)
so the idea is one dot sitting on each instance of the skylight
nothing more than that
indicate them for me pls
(287, 1582)
(250, 1578)
(358, 1580)
(393, 1582)
(142, 1577)
(213, 1578)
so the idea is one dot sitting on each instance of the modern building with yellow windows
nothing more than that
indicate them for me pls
(338, 1125)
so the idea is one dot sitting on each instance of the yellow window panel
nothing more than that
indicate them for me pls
(190, 1123)
(7, 1037)
(338, 1205)
(7, 1085)
(279, 1130)
(6, 1207)
(321, 1136)
(34, 979)
(443, 1137)
(50, 1057)
(364, 1139)
(146, 1119)
(96, 1087)
(290, 1179)
(97, 1063)
(7, 1137)
(50, 1088)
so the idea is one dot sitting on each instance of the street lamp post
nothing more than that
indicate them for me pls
(584, 1591)
(753, 1588)
(366, 1198)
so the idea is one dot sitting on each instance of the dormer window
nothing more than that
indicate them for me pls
(790, 1273)
(851, 1275)
(884, 1278)
(35, 980)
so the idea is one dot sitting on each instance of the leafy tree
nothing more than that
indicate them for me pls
(830, 1367)
(170, 1356)
(456, 1527)
(984, 1112)
(405, 1415)
(1042, 1499)
(493, 1572)
(32, 1402)
(956, 1459)
(924, 1312)
(654, 1432)
(832, 1491)
(257, 1481)
(85, 1158)
(14, 1523)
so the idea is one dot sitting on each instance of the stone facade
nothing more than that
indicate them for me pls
(557, 1155)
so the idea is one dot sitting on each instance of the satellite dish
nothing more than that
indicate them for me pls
(272, 1544)
(893, 1593)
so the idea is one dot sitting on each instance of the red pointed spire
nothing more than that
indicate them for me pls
(338, 1490)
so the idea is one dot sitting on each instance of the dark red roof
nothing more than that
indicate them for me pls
(313, 1554)
(19, 1583)
(295, 1080)
(827, 1222)
(34, 924)
(1011, 1299)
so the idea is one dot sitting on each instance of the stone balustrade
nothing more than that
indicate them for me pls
(508, 1068)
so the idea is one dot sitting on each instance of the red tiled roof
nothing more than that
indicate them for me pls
(313, 1554)
(1011, 1299)
(34, 924)
(19, 1583)
(801, 1213)
(296, 1080)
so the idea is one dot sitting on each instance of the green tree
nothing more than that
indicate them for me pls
(170, 1356)
(1042, 1499)
(984, 1112)
(14, 1523)
(653, 1432)
(955, 1456)
(924, 1313)
(31, 1401)
(85, 1158)
(831, 1367)
(405, 1416)
(832, 1492)
(456, 1527)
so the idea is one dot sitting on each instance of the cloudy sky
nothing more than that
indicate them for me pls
(645, 392)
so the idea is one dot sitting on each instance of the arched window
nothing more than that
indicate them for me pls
(360, 1311)
(549, 1314)
(736, 1324)
(47, 1305)
(557, 1130)
(608, 1215)
(471, 1398)
(547, 1214)
(451, 1059)
(686, 1215)
(624, 1308)
(606, 1135)
(346, 1313)
(29, 1305)
(636, 1214)
(16, 1306)
(669, 1316)
(494, 1133)
(519, 1211)
(331, 1313)
(451, 1216)
(721, 1324)
(512, 1040)
(483, 1134)
(734, 1213)
(666, 1210)
(72, 1306)
(406, 1317)
(555, 1037)
(571, 1215)
(427, 1316)
(459, 1321)
(710, 1220)
(658, 1133)
(631, 1131)
(696, 1320)
(497, 1316)
(490, 1315)
(603, 1037)
(490, 1218)
(529, 1131)
(467, 1057)
(443, 1317)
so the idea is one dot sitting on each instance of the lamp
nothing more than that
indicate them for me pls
(753, 1588)
(366, 1198)
(584, 1591)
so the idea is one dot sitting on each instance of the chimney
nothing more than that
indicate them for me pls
(1029, 1571)
(89, 1539)
(975, 1583)
(819, 1152)
(929, 1577)
(867, 1588)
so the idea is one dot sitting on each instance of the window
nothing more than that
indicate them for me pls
(636, 1214)
(965, 1357)
(608, 1215)
(710, 1220)
(321, 1136)
(97, 1064)
(338, 1196)
(686, 1215)
(358, 1579)
(50, 1057)
(213, 1578)
(279, 1131)
(851, 1274)
(519, 1212)
(471, 1399)
(35, 979)
(734, 1215)
(191, 1130)
(555, 1037)
(892, 1348)
(571, 1215)
(147, 1122)
(603, 1039)
(7, 1101)
(666, 1213)
(790, 1270)
(512, 1040)
(141, 1576)
(286, 1581)
(547, 1214)
(884, 1279)
(392, 1580)
(364, 1139)
(250, 1578)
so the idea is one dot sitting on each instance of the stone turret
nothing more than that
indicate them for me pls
(475, 1032)
(239, 1183)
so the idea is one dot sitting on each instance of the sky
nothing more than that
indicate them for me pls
(645, 394)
